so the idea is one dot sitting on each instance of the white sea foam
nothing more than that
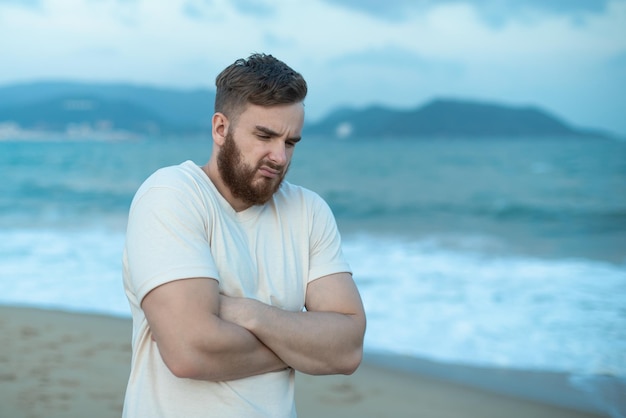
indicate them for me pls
(72, 270)
(422, 299)
(470, 307)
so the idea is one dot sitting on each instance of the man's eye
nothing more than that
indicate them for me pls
(290, 144)
(263, 136)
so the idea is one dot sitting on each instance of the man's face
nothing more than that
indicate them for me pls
(256, 153)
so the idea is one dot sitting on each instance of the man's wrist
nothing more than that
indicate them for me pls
(254, 314)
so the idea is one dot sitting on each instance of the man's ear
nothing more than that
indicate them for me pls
(220, 125)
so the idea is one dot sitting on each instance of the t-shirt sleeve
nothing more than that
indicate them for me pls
(326, 256)
(166, 239)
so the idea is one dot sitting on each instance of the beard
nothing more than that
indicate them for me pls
(240, 177)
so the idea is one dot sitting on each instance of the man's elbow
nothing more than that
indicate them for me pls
(346, 363)
(181, 370)
(180, 364)
(184, 364)
(351, 362)
(354, 357)
(351, 359)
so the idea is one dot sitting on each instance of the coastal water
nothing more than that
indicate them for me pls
(502, 253)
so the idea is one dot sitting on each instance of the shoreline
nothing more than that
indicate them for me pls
(548, 387)
(66, 364)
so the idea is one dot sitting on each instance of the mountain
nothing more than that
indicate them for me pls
(446, 119)
(61, 107)
(140, 109)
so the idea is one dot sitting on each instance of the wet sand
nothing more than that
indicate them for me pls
(59, 364)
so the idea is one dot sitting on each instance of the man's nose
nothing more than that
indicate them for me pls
(278, 153)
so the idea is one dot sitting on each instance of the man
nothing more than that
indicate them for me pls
(235, 277)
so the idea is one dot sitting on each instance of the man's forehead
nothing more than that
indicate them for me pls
(280, 119)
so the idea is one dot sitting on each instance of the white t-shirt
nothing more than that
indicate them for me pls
(179, 227)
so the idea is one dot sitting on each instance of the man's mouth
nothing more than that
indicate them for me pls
(270, 172)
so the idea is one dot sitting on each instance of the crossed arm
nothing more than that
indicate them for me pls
(204, 335)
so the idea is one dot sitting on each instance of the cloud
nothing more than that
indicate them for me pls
(386, 75)
(568, 56)
(258, 8)
(394, 58)
(210, 9)
(556, 6)
(274, 41)
(34, 4)
(199, 9)
(618, 61)
(393, 10)
(494, 12)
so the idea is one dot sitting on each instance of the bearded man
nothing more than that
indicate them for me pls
(235, 277)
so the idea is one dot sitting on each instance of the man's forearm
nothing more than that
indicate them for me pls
(194, 342)
(238, 354)
(247, 356)
(310, 342)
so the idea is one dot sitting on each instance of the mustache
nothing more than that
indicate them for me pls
(273, 166)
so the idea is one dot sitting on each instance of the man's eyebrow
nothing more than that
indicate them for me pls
(266, 131)
(273, 133)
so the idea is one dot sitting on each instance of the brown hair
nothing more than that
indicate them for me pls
(260, 80)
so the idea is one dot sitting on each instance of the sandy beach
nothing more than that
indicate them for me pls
(59, 364)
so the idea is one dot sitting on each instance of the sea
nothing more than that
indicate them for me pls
(503, 253)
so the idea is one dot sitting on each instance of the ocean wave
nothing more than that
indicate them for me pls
(478, 308)
(46, 204)
(459, 304)
(354, 207)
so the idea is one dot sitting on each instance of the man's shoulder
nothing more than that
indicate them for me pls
(172, 182)
(173, 174)
(290, 192)
(298, 197)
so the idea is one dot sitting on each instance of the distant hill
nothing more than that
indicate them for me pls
(62, 106)
(140, 109)
(446, 119)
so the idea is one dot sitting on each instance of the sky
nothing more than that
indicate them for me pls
(565, 56)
